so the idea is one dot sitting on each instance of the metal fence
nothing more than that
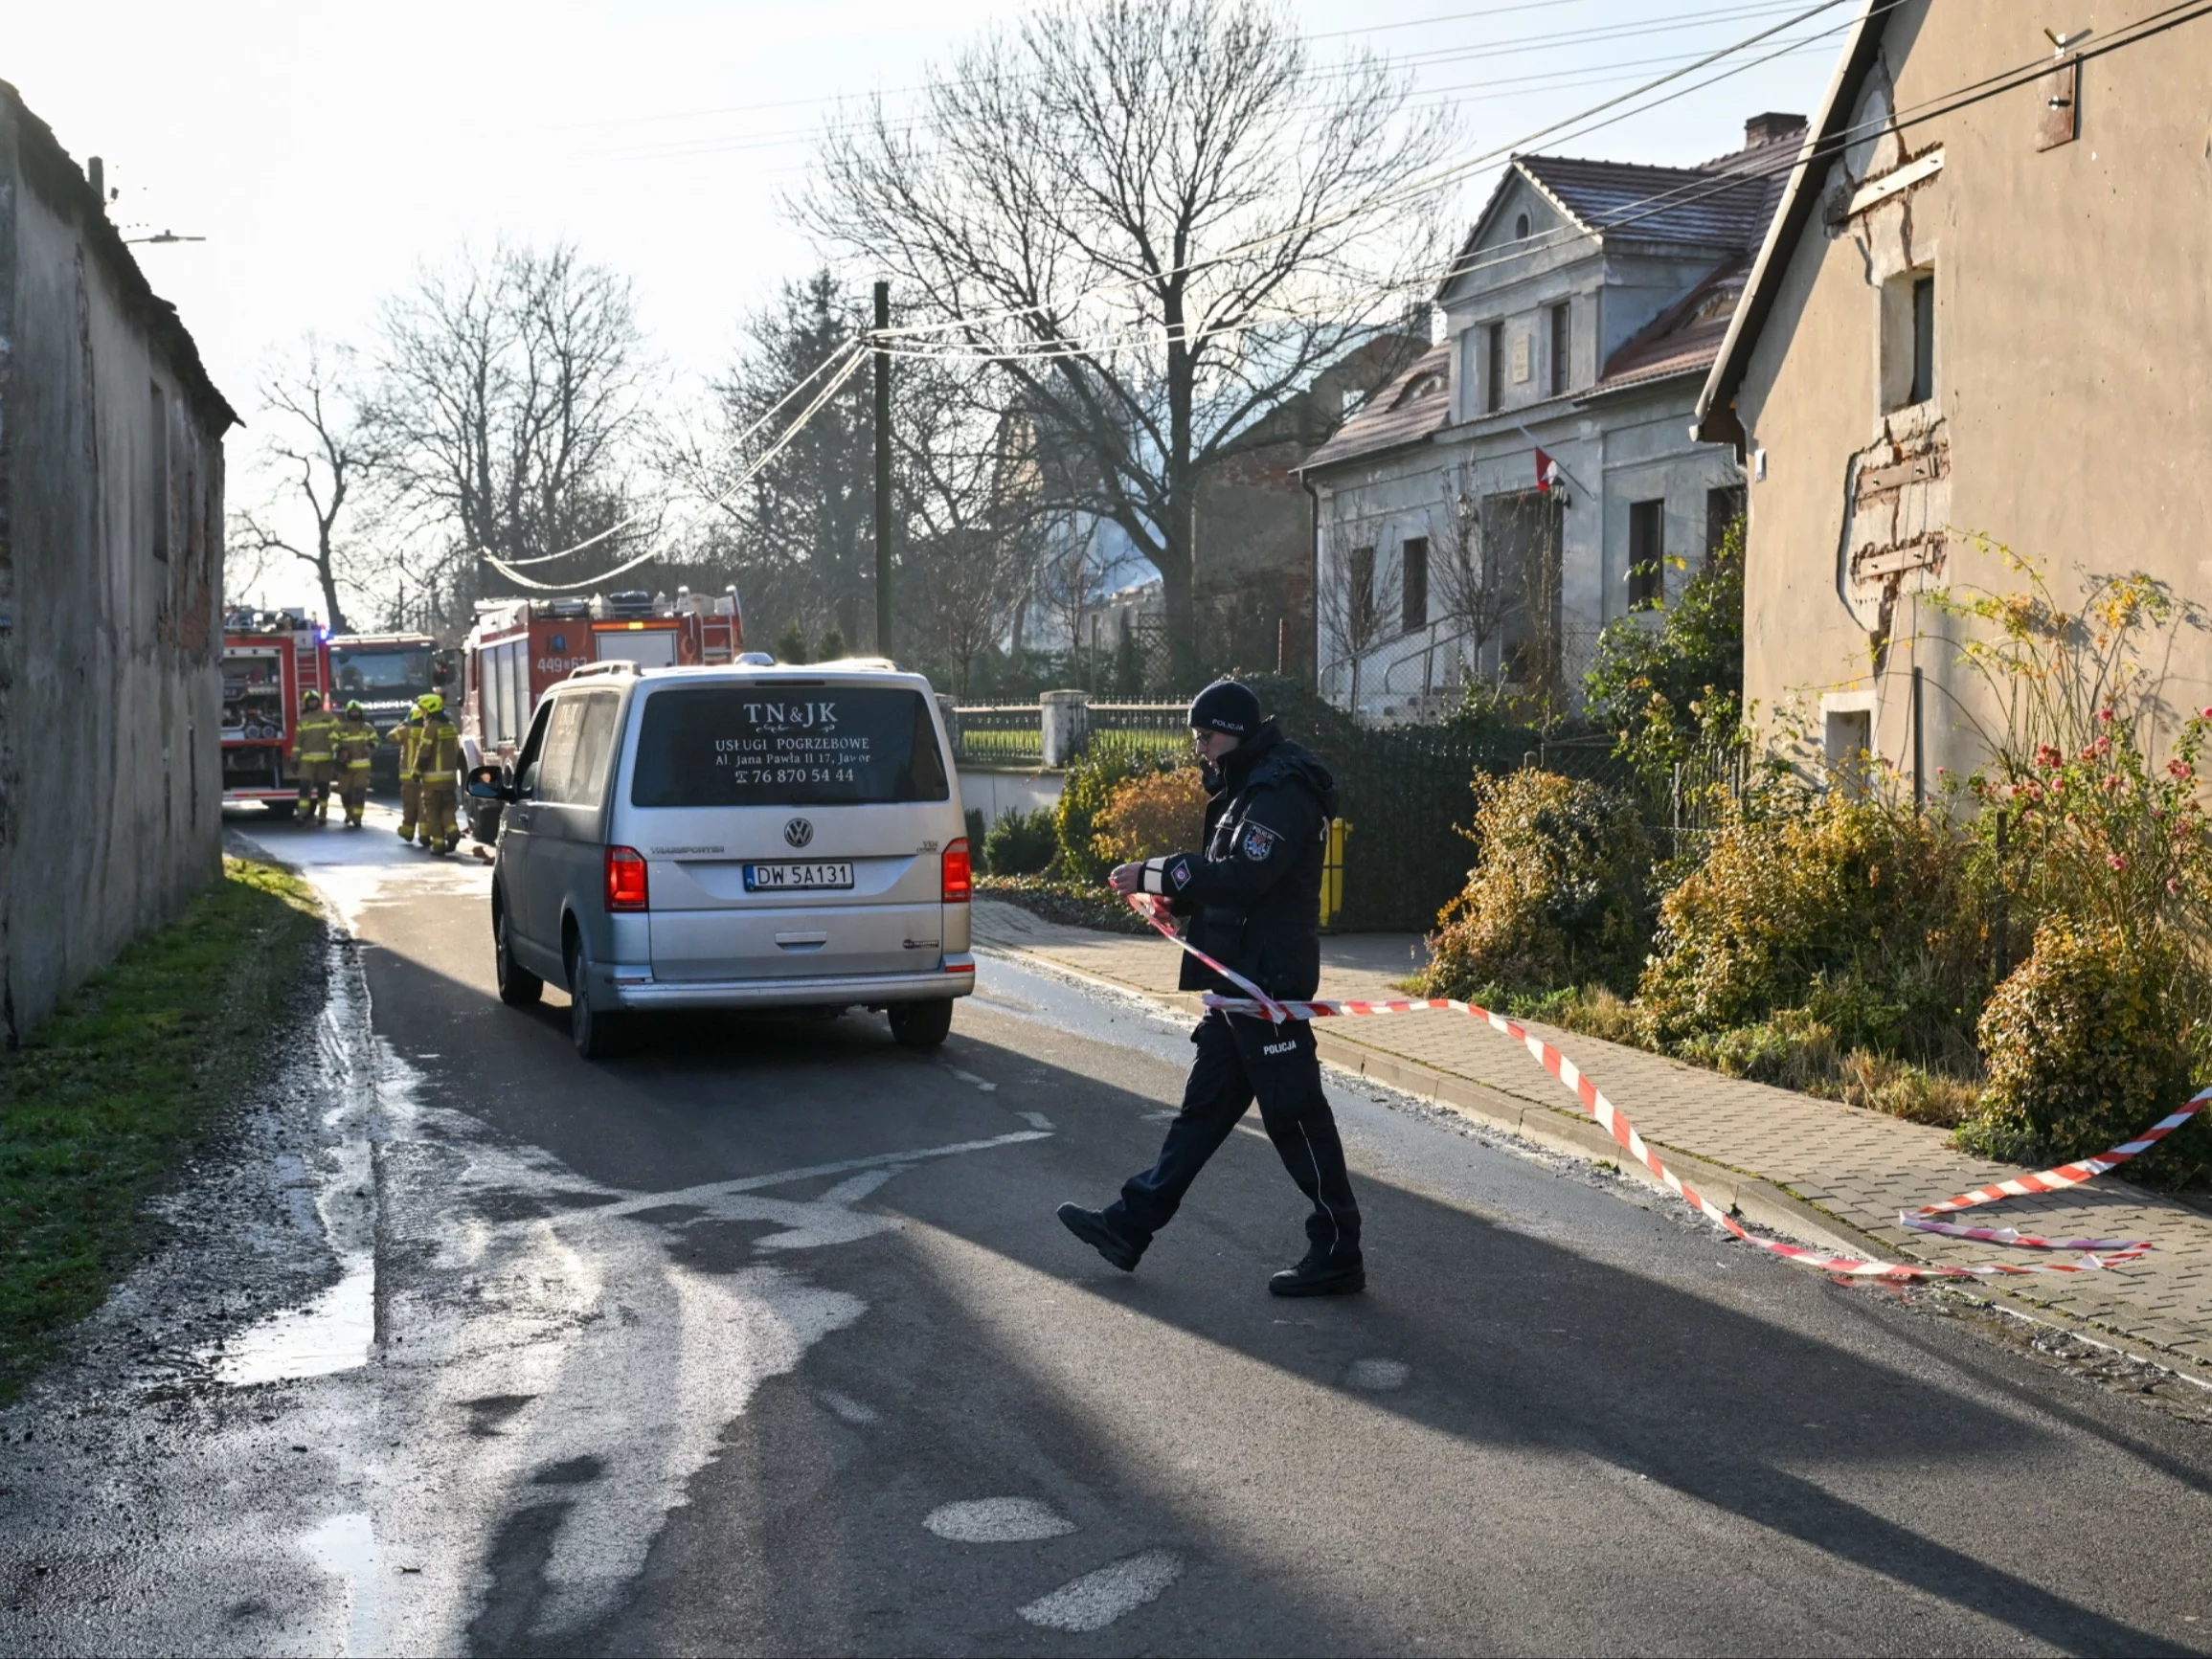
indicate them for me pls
(1148, 731)
(1011, 735)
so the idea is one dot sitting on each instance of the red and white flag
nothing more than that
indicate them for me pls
(1547, 471)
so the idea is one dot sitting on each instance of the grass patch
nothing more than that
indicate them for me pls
(104, 1098)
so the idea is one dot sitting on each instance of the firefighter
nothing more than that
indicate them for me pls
(311, 757)
(356, 742)
(436, 764)
(407, 738)
(1250, 899)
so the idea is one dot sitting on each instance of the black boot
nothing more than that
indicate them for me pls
(1091, 1227)
(1320, 1274)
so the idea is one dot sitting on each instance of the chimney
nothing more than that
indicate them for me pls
(1771, 128)
(96, 175)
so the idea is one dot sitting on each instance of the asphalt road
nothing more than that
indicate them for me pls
(765, 1339)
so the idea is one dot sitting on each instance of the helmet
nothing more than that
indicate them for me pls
(313, 700)
(354, 708)
(433, 703)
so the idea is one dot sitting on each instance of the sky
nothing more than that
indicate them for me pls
(325, 151)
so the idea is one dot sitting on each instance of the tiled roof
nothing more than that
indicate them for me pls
(1683, 339)
(1407, 410)
(1721, 204)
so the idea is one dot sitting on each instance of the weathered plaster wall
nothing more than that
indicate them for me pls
(2074, 323)
(110, 782)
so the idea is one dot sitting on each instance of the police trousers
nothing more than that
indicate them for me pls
(1241, 1059)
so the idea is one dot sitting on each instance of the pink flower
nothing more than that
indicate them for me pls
(2181, 769)
(2048, 756)
(2106, 715)
(2117, 861)
(2112, 781)
(2172, 887)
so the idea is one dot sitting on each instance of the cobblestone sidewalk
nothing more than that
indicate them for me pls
(1834, 1174)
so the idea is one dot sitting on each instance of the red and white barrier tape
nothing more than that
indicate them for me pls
(2097, 1253)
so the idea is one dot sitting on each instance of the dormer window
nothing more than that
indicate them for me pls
(1427, 386)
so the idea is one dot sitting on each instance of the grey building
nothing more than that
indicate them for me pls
(1533, 477)
(111, 541)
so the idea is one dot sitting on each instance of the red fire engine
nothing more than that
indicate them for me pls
(519, 648)
(271, 659)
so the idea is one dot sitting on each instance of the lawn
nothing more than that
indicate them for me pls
(141, 1061)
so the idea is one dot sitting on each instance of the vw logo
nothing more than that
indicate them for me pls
(797, 832)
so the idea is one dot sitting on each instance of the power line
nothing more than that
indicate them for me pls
(853, 358)
(677, 148)
(1416, 188)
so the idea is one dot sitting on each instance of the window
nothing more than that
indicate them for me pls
(1562, 346)
(1907, 343)
(1646, 554)
(1923, 338)
(1493, 368)
(579, 741)
(1521, 227)
(1414, 587)
(1359, 593)
(786, 745)
(157, 467)
(1847, 738)
(1723, 507)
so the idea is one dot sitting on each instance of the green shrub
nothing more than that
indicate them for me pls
(2083, 1050)
(1021, 843)
(1076, 904)
(1557, 895)
(1086, 788)
(1873, 918)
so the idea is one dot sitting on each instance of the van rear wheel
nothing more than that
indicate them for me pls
(921, 1024)
(596, 1035)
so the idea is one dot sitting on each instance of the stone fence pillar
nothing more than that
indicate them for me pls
(1067, 718)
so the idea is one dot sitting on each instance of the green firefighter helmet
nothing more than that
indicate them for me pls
(432, 704)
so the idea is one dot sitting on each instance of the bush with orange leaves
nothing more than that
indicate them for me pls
(1152, 815)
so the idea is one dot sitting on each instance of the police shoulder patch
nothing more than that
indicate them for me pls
(1258, 842)
(1179, 872)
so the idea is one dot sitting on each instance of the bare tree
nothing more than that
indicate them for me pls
(1170, 206)
(1344, 606)
(328, 453)
(1473, 587)
(514, 400)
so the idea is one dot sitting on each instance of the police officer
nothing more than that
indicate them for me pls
(312, 735)
(1250, 900)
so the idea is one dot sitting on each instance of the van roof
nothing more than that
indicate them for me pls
(857, 670)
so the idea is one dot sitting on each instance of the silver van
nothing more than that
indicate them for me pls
(746, 836)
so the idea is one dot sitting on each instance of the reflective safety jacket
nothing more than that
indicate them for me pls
(356, 742)
(407, 738)
(312, 735)
(438, 751)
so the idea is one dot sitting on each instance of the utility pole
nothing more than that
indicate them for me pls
(882, 472)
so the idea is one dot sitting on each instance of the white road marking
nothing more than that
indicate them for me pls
(849, 1408)
(996, 1521)
(1377, 1374)
(1036, 1120)
(1096, 1600)
(970, 1077)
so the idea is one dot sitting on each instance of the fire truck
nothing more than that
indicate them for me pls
(520, 648)
(271, 659)
(385, 673)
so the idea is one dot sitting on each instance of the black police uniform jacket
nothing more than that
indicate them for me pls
(1251, 900)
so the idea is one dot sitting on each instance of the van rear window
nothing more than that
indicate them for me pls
(812, 745)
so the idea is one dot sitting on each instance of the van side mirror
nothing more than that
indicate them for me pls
(490, 783)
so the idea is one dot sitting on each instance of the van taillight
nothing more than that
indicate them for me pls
(626, 880)
(958, 877)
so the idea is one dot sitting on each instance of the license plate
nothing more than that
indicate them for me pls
(796, 878)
